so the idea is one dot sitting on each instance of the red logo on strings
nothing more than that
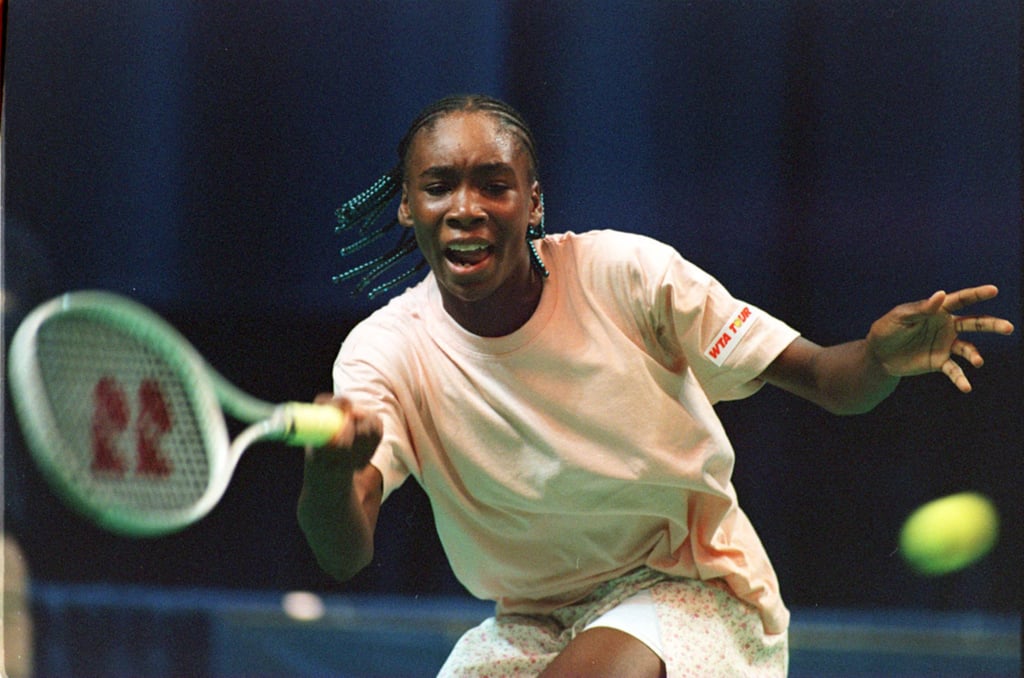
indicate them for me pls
(111, 419)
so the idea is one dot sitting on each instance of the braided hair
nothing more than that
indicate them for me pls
(362, 214)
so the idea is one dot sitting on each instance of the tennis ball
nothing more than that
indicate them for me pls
(948, 534)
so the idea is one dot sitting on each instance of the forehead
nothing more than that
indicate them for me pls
(466, 138)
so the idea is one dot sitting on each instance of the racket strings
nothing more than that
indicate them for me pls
(130, 434)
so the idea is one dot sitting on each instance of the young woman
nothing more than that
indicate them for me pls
(553, 395)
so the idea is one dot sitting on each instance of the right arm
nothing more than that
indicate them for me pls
(342, 493)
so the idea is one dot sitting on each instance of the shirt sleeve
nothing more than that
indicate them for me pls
(727, 342)
(360, 374)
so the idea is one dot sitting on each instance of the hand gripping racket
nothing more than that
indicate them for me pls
(125, 418)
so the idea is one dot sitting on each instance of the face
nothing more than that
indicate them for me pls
(469, 195)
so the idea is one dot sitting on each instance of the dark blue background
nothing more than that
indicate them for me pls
(825, 160)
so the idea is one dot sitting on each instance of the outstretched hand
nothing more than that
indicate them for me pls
(924, 336)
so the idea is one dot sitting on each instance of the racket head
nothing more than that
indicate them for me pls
(119, 413)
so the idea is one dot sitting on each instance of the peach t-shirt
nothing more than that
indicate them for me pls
(584, 445)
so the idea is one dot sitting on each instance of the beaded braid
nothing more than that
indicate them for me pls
(534, 233)
(362, 213)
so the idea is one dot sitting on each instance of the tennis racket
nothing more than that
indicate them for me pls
(126, 420)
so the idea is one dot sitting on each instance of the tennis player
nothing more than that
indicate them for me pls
(553, 395)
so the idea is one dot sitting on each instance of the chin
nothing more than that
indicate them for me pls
(468, 294)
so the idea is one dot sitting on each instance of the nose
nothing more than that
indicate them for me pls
(466, 210)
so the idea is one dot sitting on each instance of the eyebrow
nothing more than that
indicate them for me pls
(483, 169)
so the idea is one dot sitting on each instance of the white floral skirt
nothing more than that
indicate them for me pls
(706, 632)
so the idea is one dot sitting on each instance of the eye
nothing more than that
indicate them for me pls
(436, 189)
(496, 188)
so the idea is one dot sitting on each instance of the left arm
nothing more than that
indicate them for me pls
(913, 338)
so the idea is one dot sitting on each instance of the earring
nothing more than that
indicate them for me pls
(535, 233)
(538, 231)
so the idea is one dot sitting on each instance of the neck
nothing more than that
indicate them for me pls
(497, 317)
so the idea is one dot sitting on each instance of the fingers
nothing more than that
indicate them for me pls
(970, 353)
(982, 323)
(341, 402)
(361, 434)
(931, 305)
(971, 295)
(967, 351)
(956, 375)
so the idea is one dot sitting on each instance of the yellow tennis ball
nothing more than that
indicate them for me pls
(948, 534)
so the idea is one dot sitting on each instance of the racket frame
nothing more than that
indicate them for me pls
(207, 390)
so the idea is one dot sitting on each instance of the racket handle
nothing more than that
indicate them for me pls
(314, 425)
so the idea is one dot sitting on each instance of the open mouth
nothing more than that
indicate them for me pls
(467, 254)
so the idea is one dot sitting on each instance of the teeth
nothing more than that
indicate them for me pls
(466, 247)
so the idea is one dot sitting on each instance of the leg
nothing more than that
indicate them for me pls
(605, 652)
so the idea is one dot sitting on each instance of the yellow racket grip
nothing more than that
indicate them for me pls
(314, 425)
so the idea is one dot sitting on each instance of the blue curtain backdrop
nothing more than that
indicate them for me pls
(826, 160)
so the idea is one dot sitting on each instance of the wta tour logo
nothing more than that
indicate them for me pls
(729, 336)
